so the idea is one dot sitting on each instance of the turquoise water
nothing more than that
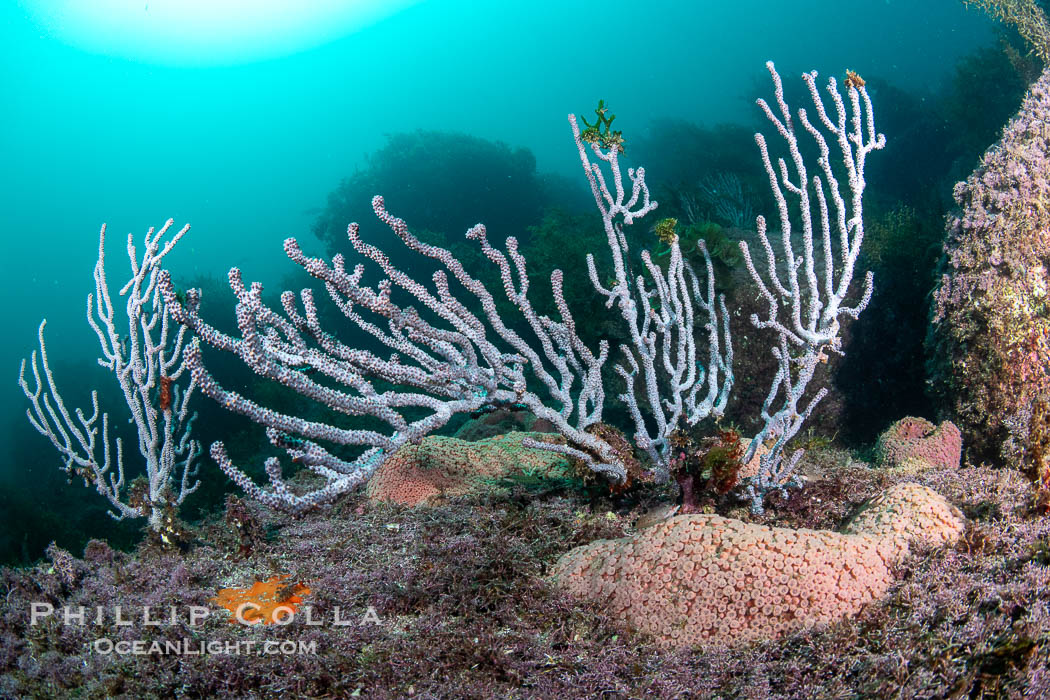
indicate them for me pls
(242, 125)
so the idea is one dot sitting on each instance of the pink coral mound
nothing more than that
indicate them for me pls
(910, 513)
(705, 578)
(441, 467)
(917, 444)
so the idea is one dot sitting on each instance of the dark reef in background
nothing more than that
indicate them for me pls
(882, 375)
(445, 182)
(932, 142)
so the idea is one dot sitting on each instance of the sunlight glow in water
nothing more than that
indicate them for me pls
(204, 32)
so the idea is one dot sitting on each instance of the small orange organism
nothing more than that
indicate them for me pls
(266, 602)
(165, 393)
(853, 80)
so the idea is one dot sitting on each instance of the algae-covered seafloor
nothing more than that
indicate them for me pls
(452, 600)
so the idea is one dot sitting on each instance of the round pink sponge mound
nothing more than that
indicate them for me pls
(705, 578)
(910, 514)
(917, 444)
(441, 467)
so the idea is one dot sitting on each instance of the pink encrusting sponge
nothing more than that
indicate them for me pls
(917, 444)
(706, 578)
(443, 467)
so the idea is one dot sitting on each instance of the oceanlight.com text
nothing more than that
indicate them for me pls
(201, 647)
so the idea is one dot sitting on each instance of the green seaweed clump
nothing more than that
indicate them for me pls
(600, 132)
(665, 231)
